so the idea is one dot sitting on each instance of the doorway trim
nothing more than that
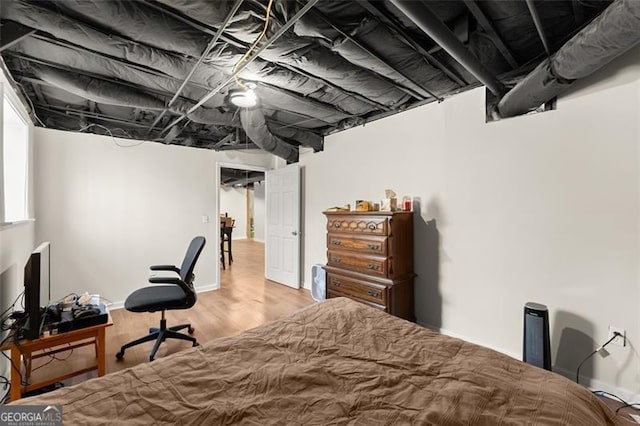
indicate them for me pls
(238, 166)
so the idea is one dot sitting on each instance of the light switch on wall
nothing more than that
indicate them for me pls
(205, 218)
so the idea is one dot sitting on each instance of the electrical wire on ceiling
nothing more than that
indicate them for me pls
(33, 109)
(88, 126)
(252, 48)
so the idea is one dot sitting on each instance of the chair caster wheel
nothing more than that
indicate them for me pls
(190, 330)
(196, 344)
(119, 355)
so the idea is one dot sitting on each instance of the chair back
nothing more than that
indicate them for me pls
(189, 262)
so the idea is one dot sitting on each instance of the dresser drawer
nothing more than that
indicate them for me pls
(371, 225)
(370, 265)
(332, 294)
(357, 288)
(371, 245)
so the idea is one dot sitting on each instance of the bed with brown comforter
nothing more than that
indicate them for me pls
(336, 362)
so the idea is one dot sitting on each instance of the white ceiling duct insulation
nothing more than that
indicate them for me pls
(608, 36)
(257, 130)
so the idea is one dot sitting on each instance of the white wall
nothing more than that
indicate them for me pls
(233, 201)
(16, 240)
(110, 212)
(538, 208)
(259, 211)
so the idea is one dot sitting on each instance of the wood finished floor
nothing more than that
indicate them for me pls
(245, 300)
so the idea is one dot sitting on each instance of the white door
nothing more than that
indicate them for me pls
(283, 226)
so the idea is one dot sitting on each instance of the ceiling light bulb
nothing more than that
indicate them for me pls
(243, 98)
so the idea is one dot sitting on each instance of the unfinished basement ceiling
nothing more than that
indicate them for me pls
(239, 177)
(162, 70)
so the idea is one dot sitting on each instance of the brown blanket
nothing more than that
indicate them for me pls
(336, 362)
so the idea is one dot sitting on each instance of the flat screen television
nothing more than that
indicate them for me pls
(37, 289)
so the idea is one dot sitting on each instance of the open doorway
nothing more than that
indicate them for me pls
(241, 207)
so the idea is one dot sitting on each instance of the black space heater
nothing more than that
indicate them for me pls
(536, 346)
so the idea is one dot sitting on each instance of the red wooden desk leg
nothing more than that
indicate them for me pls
(16, 380)
(102, 356)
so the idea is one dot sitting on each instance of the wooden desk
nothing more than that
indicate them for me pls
(55, 343)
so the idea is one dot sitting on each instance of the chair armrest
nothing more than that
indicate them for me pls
(170, 280)
(165, 268)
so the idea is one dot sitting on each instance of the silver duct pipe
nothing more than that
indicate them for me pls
(109, 93)
(211, 116)
(427, 21)
(608, 36)
(255, 126)
(100, 91)
(309, 139)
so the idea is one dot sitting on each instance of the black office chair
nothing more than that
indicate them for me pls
(176, 293)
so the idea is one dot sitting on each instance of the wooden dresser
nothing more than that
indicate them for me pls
(370, 259)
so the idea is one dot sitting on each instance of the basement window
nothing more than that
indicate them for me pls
(15, 155)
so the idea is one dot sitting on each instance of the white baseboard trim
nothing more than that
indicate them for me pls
(467, 339)
(208, 287)
(116, 305)
(199, 289)
(258, 240)
(597, 385)
(590, 383)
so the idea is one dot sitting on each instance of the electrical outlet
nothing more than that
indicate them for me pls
(620, 340)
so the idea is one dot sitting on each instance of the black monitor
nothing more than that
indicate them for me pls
(37, 289)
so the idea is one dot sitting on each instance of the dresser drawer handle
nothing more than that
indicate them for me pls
(372, 226)
(335, 283)
(336, 242)
(373, 293)
(374, 267)
(336, 259)
(373, 246)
